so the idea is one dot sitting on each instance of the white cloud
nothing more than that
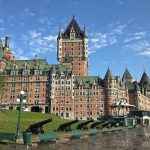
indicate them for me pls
(118, 34)
(29, 12)
(140, 33)
(119, 29)
(39, 43)
(140, 47)
(130, 39)
(91, 52)
(19, 53)
(34, 34)
(22, 57)
(100, 40)
(50, 38)
(145, 52)
(135, 36)
(34, 43)
(121, 2)
(137, 46)
(43, 20)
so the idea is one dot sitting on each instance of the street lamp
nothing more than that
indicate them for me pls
(20, 100)
(88, 99)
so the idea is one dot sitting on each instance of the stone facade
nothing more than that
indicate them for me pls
(29, 76)
(66, 90)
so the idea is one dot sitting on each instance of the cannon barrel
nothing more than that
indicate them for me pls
(66, 126)
(83, 124)
(109, 123)
(37, 127)
(95, 124)
(105, 124)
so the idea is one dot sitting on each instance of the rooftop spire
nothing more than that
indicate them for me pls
(144, 79)
(73, 24)
(59, 33)
(108, 75)
(127, 75)
(73, 17)
(7, 41)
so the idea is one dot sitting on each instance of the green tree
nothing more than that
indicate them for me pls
(1, 83)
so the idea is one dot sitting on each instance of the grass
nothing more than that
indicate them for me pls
(8, 120)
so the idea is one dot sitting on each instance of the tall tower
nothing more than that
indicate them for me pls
(72, 48)
(109, 85)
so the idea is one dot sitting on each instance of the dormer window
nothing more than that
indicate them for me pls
(25, 72)
(36, 72)
(72, 34)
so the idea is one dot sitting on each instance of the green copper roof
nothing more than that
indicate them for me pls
(58, 69)
(130, 86)
(126, 75)
(86, 80)
(30, 64)
(145, 79)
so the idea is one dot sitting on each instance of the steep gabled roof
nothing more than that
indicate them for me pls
(127, 75)
(73, 24)
(87, 81)
(144, 79)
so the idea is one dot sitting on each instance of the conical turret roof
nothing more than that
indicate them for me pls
(127, 75)
(108, 75)
(144, 79)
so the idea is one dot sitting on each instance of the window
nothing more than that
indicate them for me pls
(62, 114)
(36, 72)
(72, 35)
(67, 114)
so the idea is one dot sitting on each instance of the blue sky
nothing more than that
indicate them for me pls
(118, 31)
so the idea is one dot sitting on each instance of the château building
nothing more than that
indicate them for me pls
(66, 89)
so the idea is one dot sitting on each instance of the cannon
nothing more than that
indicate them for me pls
(110, 123)
(95, 124)
(82, 125)
(37, 127)
(66, 126)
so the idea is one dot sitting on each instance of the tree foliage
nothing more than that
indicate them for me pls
(1, 83)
